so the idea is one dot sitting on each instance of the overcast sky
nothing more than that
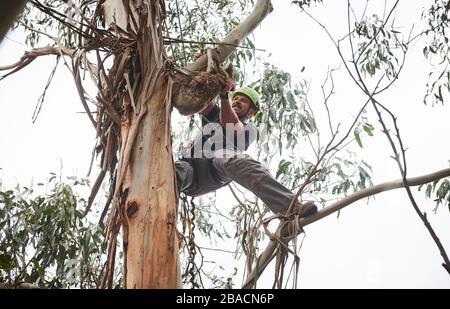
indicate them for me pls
(381, 244)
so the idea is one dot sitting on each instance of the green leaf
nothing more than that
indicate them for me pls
(283, 167)
(291, 100)
(368, 128)
(429, 190)
(6, 262)
(357, 137)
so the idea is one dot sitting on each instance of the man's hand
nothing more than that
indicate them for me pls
(229, 86)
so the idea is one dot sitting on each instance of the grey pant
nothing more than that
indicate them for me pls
(200, 176)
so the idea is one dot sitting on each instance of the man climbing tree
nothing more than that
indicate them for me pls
(214, 159)
(137, 87)
(135, 53)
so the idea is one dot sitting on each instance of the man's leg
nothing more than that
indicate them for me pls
(194, 177)
(253, 176)
(185, 175)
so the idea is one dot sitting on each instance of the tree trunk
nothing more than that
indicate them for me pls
(144, 200)
(150, 236)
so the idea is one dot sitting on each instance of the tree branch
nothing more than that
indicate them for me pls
(29, 56)
(265, 258)
(231, 41)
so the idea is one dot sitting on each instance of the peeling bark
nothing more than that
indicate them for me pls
(152, 253)
(144, 201)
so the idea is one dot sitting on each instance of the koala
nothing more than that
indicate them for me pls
(191, 94)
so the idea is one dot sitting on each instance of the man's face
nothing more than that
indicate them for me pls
(242, 107)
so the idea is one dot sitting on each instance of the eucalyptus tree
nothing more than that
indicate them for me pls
(134, 103)
(138, 55)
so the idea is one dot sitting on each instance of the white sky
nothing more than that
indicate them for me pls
(382, 244)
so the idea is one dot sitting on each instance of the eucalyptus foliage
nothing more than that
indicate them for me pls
(46, 240)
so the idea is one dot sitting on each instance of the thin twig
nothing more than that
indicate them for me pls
(177, 40)
(41, 99)
(326, 97)
(400, 162)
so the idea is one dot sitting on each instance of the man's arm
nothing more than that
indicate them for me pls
(227, 114)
